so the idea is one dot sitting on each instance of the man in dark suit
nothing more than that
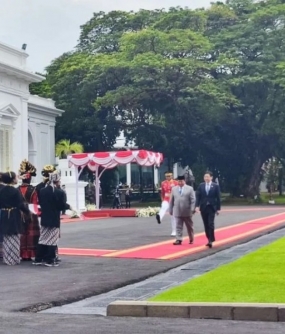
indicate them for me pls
(209, 203)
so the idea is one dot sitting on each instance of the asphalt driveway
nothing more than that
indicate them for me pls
(34, 288)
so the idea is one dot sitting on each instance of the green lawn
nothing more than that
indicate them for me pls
(264, 198)
(278, 199)
(258, 277)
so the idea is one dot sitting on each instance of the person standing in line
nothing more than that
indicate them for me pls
(166, 187)
(30, 237)
(12, 208)
(117, 198)
(182, 206)
(46, 171)
(52, 202)
(128, 195)
(208, 202)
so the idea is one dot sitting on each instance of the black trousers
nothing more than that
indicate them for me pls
(128, 201)
(208, 215)
(45, 253)
(116, 203)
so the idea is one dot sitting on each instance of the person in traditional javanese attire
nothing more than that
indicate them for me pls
(166, 188)
(1, 235)
(12, 209)
(30, 237)
(52, 202)
(46, 171)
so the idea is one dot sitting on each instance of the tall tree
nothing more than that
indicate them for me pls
(42, 89)
(202, 85)
(75, 94)
(102, 33)
(250, 131)
(166, 98)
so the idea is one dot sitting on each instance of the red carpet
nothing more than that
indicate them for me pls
(67, 219)
(110, 213)
(84, 252)
(165, 250)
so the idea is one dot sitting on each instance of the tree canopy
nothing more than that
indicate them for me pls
(201, 86)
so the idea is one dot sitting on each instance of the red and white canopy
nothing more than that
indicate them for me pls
(113, 159)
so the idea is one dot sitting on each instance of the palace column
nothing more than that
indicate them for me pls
(155, 176)
(129, 174)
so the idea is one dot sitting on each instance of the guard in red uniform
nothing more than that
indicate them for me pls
(166, 187)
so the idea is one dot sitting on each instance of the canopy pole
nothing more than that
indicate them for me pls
(102, 172)
(76, 188)
(97, 186)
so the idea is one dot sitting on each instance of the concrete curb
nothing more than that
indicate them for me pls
(221, 311)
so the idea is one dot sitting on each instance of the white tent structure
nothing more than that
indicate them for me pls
(108, 160)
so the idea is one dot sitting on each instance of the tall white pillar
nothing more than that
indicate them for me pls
(52, 142)
(155, 177)
(23, 139)
(175, 170)
(129, 173)
(75, 191)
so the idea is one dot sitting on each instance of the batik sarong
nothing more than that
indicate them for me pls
(11, 249)
(49, 236)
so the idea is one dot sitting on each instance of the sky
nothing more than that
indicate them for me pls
(52, 27)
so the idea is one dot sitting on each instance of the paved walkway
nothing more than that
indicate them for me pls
(74, 324)
(143, 290)
(78, 277)
(38, 288)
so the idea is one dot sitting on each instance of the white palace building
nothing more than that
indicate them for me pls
(27, 122)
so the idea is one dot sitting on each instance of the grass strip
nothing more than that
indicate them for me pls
(258, 277)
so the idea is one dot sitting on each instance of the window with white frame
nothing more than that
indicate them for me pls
(5, 147)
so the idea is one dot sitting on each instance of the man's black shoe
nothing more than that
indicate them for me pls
(158, 218)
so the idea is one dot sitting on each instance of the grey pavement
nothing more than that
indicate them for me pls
(20, 323)
(150, 287)
(33, 289)
(37, 288)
